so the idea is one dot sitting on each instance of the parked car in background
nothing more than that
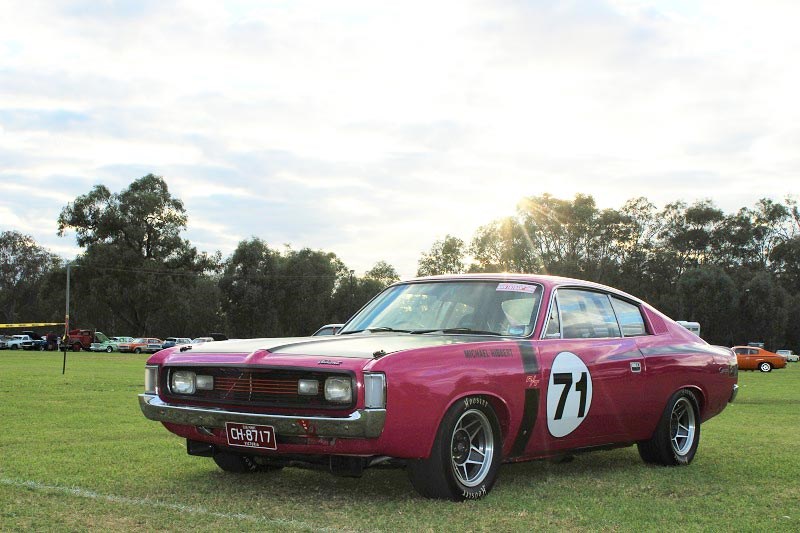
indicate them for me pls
(82, 339)
(790, 356)
(694, 327)
(169, 342)
(107, 344)
(15, 341)
(200, 340)
(36, 342)
(142, 344)
(327, 329)
(755, 358)
(4, 341)
(450, 376)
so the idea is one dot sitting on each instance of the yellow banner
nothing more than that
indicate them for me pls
(31, 325)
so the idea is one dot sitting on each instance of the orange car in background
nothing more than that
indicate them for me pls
(141, 345)
(753, 358)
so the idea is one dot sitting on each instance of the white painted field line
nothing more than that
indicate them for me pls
(144, 502)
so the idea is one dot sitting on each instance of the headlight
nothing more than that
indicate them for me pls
(151, 379)
(308, 387)
(183, 382)
(204, 382)
(374, 391)
(338, 390)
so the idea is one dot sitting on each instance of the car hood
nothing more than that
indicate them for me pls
(357, 346)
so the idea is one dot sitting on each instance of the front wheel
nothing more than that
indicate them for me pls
(109, 349)
(765, 367)
(677, 435)
(466, 454)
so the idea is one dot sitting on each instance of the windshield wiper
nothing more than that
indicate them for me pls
(458, 330)
(377, 330)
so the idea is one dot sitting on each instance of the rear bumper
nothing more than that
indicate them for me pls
(364, 423)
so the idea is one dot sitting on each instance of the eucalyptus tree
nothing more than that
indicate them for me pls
(446, 256)
(135, 266)
(23, 266)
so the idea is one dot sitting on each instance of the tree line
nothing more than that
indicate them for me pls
(136, 275)
(738, 274)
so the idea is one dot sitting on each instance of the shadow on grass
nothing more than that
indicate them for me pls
(310, 486)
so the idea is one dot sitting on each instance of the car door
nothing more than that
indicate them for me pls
(593, 373)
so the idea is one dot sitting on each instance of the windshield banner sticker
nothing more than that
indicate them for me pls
(516, 287)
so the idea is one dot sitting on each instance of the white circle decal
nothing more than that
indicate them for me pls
(569, 394)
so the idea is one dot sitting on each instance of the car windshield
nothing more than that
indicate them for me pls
(477, 307)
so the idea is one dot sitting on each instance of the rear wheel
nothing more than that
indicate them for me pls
(137, 350)
(765, 367)
(677, 435)
(76, 347)
(466, 454)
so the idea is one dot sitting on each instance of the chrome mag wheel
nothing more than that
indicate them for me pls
(472, 447)
(682, 426)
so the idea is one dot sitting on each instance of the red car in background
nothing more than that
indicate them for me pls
(449, 377)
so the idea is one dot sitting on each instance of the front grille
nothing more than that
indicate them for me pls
(273, 387)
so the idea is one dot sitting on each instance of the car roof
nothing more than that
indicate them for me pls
(542, 279)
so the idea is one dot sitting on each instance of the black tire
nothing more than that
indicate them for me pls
(41, 347)
(235, 463)
(109, 349)
(137, 350)
(765, 367)
(76, 347)
(454, 471)
(677, 435)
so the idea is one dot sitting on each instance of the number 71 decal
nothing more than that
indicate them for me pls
(569, 394)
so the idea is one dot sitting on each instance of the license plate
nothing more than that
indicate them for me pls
(250, 436)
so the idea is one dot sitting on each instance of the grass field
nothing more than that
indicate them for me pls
(76, 454)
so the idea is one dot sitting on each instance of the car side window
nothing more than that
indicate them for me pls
(553, 330)
(586, 315)
(630, 317)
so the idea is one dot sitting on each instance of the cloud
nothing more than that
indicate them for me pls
(372, 131)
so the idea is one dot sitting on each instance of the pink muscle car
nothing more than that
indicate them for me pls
(449, 377)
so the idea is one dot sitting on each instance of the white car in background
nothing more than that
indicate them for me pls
(15, 342)
(788, 355)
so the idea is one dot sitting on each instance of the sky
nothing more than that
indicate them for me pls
(372, 129)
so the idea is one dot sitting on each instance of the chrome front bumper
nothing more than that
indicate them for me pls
(364, 423)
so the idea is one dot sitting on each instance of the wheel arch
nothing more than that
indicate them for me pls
(496, 402)
(699, 396)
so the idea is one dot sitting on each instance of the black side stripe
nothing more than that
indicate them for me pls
(529, 414)
(530, 364)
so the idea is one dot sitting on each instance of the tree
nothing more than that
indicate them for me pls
(709, 296)
(136, 270)
(384, 273)
(764, 311)
(23, 266)
(502, 246)
(446, 256)
(251, 291)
